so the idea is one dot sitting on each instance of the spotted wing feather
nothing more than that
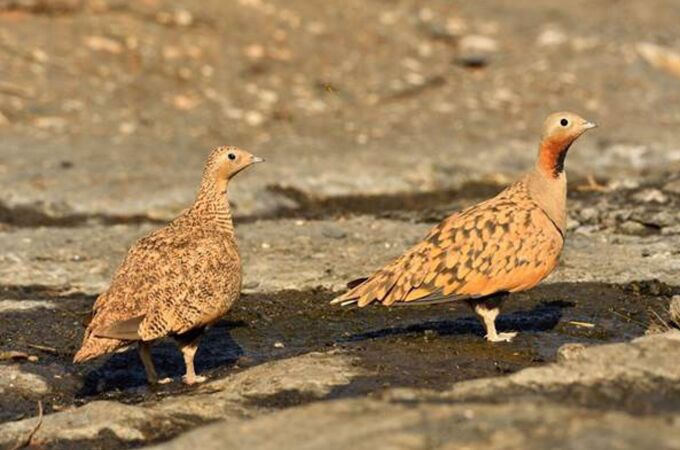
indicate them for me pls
(505, 244)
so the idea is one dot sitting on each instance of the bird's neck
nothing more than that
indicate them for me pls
(551, 156)
(548, 182)
(211, 207)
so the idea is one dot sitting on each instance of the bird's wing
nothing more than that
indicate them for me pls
(194, 291)
(125, 330)
(168, 284)
(505, 244)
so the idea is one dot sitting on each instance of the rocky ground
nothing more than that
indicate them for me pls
(377, 120)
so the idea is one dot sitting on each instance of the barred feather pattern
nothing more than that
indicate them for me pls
(183, 276)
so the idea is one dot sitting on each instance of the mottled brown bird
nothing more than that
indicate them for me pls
(506, 244)
(177, 280)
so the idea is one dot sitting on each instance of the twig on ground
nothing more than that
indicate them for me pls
(44, 348)
(26, 441)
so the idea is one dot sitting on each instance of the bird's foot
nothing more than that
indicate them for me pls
(196, 379)
(157, 382)
(502, 337)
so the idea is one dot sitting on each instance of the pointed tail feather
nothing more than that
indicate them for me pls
(94, 347)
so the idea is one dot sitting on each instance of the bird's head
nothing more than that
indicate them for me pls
(225, 162)
(565, 127)
(560, 130)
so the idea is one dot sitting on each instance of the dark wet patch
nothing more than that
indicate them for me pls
(425, 347)
(397, 205)
(29, 216)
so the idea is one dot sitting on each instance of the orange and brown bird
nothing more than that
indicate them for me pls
(177, 280)
(506, 244)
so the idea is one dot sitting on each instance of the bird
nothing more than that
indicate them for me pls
(480, 255)
(177, 280)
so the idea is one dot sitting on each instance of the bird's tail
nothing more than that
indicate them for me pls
(94, 346)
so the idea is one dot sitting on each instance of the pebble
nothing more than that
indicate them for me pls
(672, 187)
(333, 232)
(650, 196)
(631, 227)
(103, 44)
(551, 37)
(589, 214)
(663, 218)
(666, 231)
(570, 351)
(475, 50)
(251, 284)
(586, 229)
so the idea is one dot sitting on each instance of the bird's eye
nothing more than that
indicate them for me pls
(231, 156)
(564, 122)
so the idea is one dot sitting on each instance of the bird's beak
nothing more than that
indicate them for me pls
(257, 159)
(589, 125)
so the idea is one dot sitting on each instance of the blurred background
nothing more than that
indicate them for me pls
(112, 106)
(377, 118)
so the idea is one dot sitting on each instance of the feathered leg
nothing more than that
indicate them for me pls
(487, 310)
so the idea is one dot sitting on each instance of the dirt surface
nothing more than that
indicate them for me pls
(377, 120)
(417, 347)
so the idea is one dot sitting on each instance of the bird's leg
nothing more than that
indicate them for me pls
(145, 356)
(487, 310)
(188, 344)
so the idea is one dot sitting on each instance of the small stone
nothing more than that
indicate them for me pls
(569, 352)
(39, 55)
(251, 284)
(254, 118)
(254, 51)
(572, 224)
(475, 50)
(127, 128)
(672, 187)
(183, 18)
(632, 227)
(662, 219)
(185, 102)
(431, 334)
(278, 344)
(12, 378)
(586, 229)
(333, 232)
(478, 43)
(50, 123)
(589, 214)
(415, 79)
(103, 44)
(551, 37)
(650, 196)
(667, 231)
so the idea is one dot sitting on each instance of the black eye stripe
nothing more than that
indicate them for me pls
(564, 122)
(231, 156)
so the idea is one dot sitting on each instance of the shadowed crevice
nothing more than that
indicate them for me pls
(29, 216)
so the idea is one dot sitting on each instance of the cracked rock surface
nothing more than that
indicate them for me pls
(108, 110)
